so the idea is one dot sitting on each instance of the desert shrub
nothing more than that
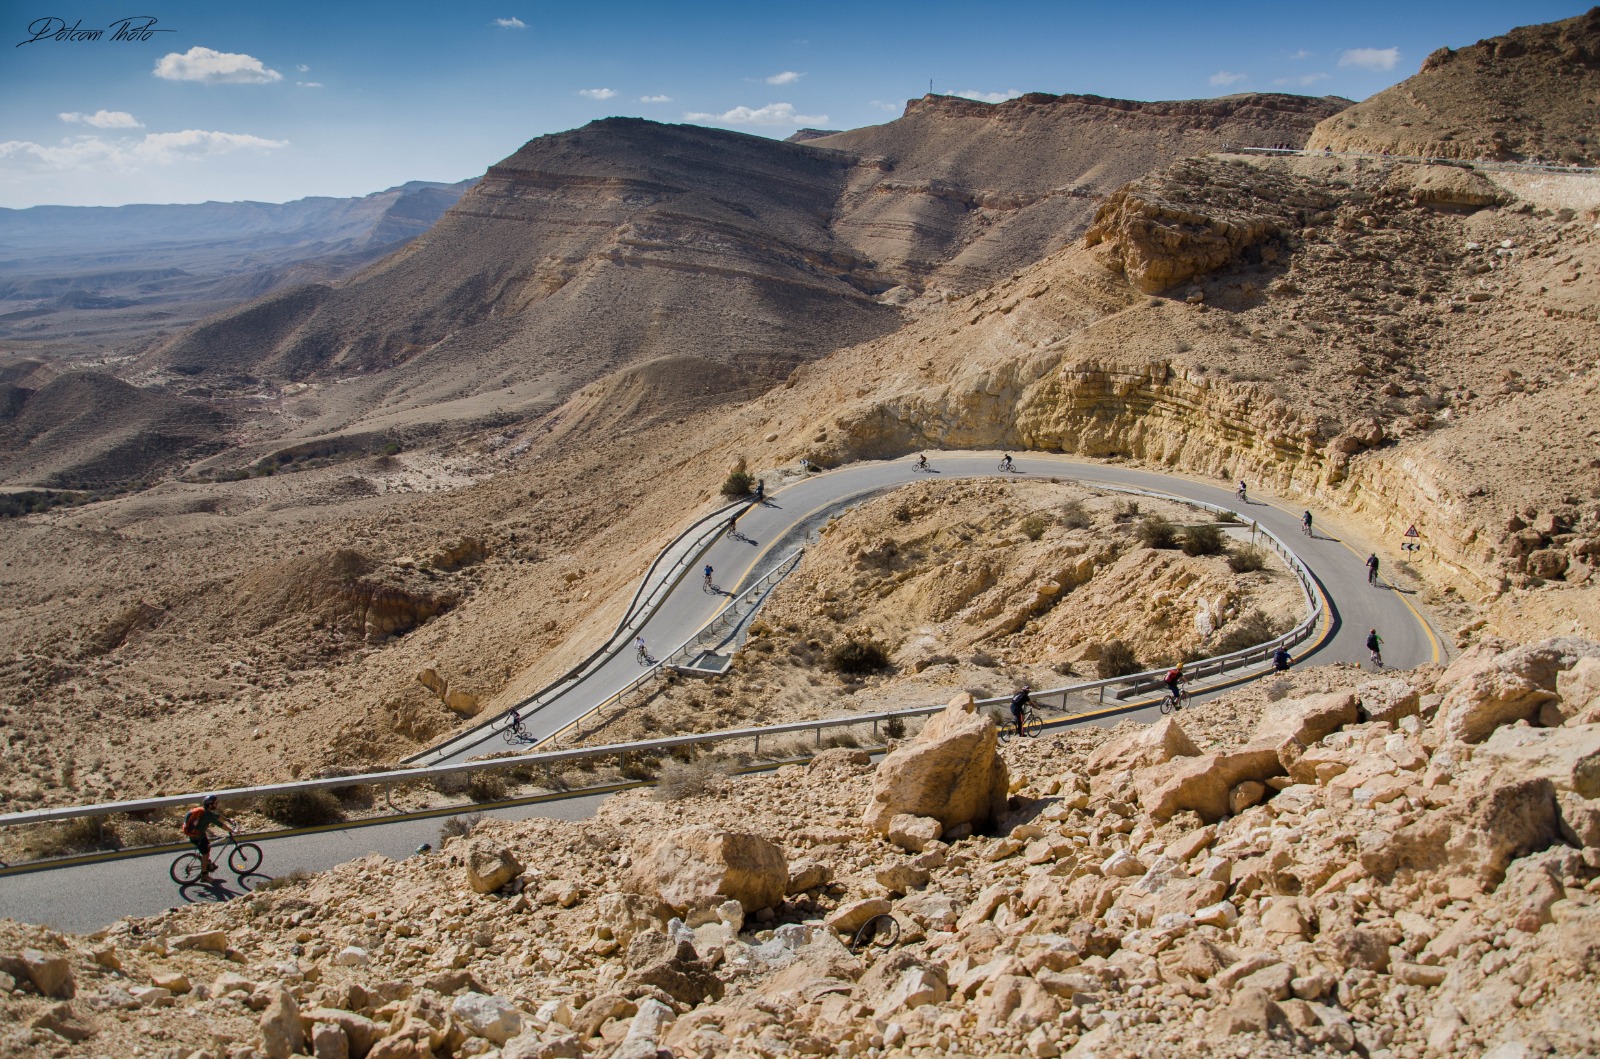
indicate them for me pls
(895, 728)
(487, 787)
(983, 659)
(1116, 660)
(1032, 527)
(687, 779)
(1247, 630)
(844, 739)
(1157, 532)
(81, 834)
(459, 826)
(1244, 560)
(858, 657)
(1203, 540)
(278, 882)
(1074, 515)
(738, 483)
(638, 766)
(301, 808)
(1125, 510)
(451, 784)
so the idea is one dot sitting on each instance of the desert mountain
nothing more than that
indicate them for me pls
(627, 241)
(957, 194)
(91, 278)
(1533, 93)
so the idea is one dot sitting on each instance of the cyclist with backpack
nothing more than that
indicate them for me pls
(1174, 680)
(195, 824)
(1372, 569)
(1019, 707)
(1280, 659)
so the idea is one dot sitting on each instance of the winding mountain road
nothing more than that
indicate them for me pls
(89, 895)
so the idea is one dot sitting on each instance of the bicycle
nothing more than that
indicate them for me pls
(1032, 725)
(644, 656)
(1174, 700)
(516, 735)
(243, 858)
(922, 466)
(1006, 466)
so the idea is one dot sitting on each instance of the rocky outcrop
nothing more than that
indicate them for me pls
(698, 868)
(950, 773)
(1510, 686)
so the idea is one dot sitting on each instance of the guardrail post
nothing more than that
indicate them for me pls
(758, 745)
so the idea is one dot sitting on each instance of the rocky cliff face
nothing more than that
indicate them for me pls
(1341, 332)
(1529, 94)
(957, 194)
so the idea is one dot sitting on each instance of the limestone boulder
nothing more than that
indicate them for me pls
(1510, 686)
(490, 865)
(1149, 745)
(914, 833)
(1204, 783)
(494, 1018)
(659, 961)
(702, 866)
(1579, 689)
(951, 772)
(1569, 757)
(281, 1032)
(1295, 724)
(1388, 700)
(1580, 819)
(900, 982)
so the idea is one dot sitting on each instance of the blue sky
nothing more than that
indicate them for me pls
(283, 100)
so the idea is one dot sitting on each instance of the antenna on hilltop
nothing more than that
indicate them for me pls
(930, 86)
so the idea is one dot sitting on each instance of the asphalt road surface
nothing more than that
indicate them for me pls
(85, 897)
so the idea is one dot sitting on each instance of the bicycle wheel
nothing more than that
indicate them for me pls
(509, 735)
(244, 858)
(187, 869)
(1032, 725)
(1166, 704)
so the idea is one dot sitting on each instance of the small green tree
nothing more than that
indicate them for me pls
(1203, 540)
(1155, 531)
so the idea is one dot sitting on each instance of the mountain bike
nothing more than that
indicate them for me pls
(922, 466)
(1032, 724)
(516, 735)
(644, 656)
(243, 858)
(1006, 466)
(1174, 700)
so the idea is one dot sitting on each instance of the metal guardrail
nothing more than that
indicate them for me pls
(543, 759)
(646, 598)
(730, 618)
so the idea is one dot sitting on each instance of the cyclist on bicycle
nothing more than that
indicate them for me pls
(1174, 680)
(761, 489)
(1280, 659)
(1372, 569)
(1242, 491)
(1005, 462)
(1305, 523)
(513, 719)
(708, 577)
(922, 461)
(1019, 707)
(195, 824)
(1375, 645)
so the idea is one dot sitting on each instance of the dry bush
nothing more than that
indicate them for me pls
(688, 779)
(1203, 540)
(1125, 510)
(278, 882)
(895, 728)
(1074, 515)
(1246, 559)
(81, 834)
(1116, 660)
(1156, 531)
(1032, 527)
(844, 739)
(459, 826)
(451, 784)
(487, 787)
(858, 657)
(301, 808)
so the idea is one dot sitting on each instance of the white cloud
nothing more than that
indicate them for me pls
(989, 97)
(510, 23)
(596, 93)
(1301, 54)
(308, 84)
(1222, 78)
(160, 148)
(655, 99)
(890, 108)
(303, 68)
(104, 119)
(788, 77)
(771, 114)
(214, 68)
(1371, 58)
(1303, 81)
